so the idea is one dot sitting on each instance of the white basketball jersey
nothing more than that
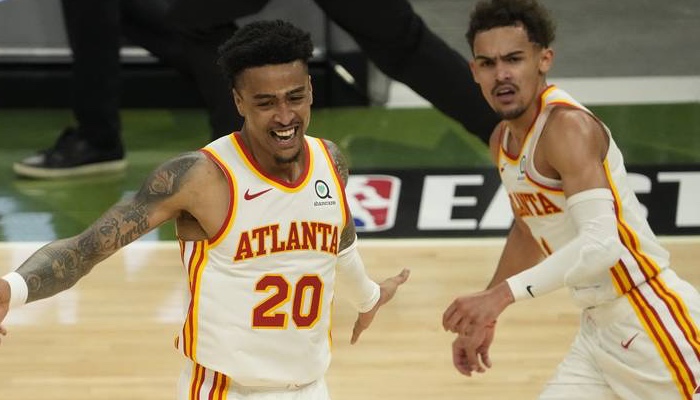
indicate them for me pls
(260, 291)
(540, 201)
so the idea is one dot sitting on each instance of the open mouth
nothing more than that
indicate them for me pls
(504, 91)
(286, 135)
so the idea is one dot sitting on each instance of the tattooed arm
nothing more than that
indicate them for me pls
(60, 264)
(347, 237)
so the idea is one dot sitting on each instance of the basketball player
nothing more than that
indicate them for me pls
(264, 230)
(578, 225)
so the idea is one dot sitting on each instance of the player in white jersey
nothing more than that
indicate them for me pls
(264, 229)
(578, 225)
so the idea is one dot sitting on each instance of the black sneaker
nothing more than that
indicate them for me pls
(71, 156)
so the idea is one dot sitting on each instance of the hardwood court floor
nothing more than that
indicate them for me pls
(110, 337)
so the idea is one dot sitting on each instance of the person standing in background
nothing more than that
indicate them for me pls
(578, 224)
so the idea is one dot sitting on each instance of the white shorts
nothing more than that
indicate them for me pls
(642, 346)
(197, 382)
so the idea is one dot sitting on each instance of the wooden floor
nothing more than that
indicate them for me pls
(111, 336)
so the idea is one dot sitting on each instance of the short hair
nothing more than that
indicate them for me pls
(489, 14)
(263, 43)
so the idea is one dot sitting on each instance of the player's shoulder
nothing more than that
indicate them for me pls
(190, 168)
(190, 159)
(333, 150)
(338, 158)
(329, 144)
(574, 128)
(566, 116)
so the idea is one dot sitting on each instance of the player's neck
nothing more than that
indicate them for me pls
(520, 126)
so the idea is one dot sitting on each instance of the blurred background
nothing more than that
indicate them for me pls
(633, 62)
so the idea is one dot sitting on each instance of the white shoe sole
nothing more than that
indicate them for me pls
(106, 167)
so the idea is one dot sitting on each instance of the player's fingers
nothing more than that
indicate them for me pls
(453, 318)
(458, 358)
(447, 315)
(356, 331)
(472, 360)
(470, 345)
(485, 358)
(480, 366)
(454, 322)
(3, 331)
(402, 276)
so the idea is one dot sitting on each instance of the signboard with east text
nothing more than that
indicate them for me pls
(472, 203)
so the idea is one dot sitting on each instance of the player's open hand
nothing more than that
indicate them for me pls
(387, 290)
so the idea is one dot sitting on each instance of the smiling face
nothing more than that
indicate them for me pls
(510, 70)
(275, 101)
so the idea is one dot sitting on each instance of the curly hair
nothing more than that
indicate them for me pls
(263, 43)
(489, 14)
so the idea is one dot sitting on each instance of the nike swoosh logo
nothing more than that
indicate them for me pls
(529, 290)
(626, 345)
(250, 196)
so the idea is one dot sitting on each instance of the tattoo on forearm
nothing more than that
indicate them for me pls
(60, 264)
(53, 268)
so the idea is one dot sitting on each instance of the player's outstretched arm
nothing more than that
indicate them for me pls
(58, 265)
(364, 293)
(387, 290)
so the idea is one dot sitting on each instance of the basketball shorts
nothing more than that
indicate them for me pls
(641, 346)
(197, 382)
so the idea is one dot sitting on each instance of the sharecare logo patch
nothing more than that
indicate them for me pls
(373, 201)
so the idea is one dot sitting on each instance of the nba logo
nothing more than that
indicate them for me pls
(373, 200)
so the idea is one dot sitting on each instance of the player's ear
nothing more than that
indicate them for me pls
(238, 100)
(311, 92)
(546, 59)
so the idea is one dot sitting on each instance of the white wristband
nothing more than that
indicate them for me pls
(518, 288)
(18, 289)
(362, 291)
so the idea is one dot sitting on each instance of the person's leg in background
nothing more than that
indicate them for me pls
(192, 50)
(201, 27)
(145, 23)
(201, 50)
(399, 43)
(94, 145)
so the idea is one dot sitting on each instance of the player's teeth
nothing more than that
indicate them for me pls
(285, 134)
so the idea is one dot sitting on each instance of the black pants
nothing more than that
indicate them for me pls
(95, 30)
(391, 34)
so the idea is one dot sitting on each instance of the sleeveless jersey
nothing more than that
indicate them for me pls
(260, 291)
(540, 201)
